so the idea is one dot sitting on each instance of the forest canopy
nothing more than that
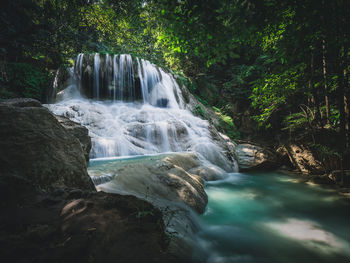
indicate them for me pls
(285, 62)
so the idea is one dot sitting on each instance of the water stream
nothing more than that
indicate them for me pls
(270, 217)
(133, 108)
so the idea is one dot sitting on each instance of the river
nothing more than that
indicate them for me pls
(271, 217)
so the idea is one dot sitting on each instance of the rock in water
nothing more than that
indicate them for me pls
(304, 159)
(35, 146)
(162, 180)
(251, 157)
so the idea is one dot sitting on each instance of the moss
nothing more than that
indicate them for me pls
(199, 111)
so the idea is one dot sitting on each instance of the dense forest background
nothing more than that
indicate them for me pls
(273, 70)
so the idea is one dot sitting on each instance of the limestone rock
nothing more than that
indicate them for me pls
(304, 159)
(35, 146)
(251, 157)
(159, 179)
(78, 131)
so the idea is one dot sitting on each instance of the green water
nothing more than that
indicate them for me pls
(269, 217)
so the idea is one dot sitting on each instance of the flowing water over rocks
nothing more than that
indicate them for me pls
(133, 108)
(146, 142)
(270, 217)
(142, 112)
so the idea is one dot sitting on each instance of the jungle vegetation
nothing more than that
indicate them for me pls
(284, 64)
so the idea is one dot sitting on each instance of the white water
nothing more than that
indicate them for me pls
(97, 76)
(249, 218)
(124, 126)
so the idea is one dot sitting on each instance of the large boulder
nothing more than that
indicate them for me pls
(168, 182)
(21, 102)
(162, 180)
(78, 131)
(71, 225)
(35, 146)
(251, 157)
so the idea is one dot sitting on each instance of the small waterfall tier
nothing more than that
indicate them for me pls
(122, 78)
(132, 107)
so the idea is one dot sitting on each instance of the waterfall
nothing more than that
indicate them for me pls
(115, 70)
(78, 68)
(132, 107)
(97, 76)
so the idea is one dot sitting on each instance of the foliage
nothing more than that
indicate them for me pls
(226, 125)
(199, 111)
(26, 80)
(269, 56)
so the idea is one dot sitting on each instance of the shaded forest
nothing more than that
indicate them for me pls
(274, 70)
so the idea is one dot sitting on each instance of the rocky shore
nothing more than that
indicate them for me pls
(50, 210)
(294, 159)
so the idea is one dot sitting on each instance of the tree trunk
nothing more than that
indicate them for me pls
(314, 99)
(324, 66)
(346, 96)
(340, 94)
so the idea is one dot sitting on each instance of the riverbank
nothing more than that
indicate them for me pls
(50, 210)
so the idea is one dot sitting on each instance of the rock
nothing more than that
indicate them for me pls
(21, 102)
(35, 146)
(162, 103)
(304, 159)
(98, 227)
(208, 173)
(251, 157)
(321, 179)
(163, 180)
(336, 177)
(78, 131)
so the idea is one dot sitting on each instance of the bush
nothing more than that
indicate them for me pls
(23, 80)
(226, 125)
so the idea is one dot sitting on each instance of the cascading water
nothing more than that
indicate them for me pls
(97, 76)
(132, 107)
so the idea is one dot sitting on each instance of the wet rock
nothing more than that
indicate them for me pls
(35, 146)
(78, 131)
(164, 180)
(168, 182)
(162, 103)
(251, 157)
(208, 173)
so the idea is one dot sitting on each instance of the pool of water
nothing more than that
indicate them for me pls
(270, 217)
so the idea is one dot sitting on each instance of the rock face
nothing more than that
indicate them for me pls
(35, 146)
(78, 131)
(251, 157)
